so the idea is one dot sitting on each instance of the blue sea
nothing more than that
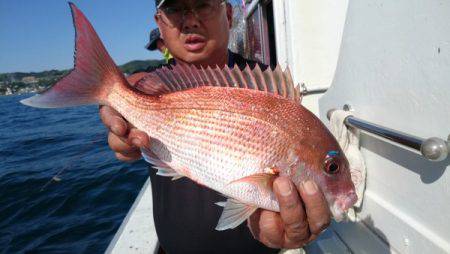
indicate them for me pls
(61, 188)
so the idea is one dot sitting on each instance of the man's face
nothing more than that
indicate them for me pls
(196, 39)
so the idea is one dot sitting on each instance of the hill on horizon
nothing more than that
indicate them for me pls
(27, 82)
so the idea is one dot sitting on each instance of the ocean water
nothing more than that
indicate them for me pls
(82, 208)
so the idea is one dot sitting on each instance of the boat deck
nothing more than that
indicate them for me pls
(137, 233)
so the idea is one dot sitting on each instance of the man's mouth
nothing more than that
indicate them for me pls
(194, 43)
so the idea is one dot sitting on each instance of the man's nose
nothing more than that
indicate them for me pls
(190, 20)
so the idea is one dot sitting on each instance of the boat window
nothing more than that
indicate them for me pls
(260, 32)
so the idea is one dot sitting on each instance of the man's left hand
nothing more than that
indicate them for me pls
(303, 215)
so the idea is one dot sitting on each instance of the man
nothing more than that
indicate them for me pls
(196, 32)
(156, 42)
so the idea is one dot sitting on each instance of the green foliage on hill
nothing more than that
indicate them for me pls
(25, 82)
(139, 65)
(17, 76)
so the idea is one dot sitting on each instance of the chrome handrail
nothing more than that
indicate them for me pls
(433, 149)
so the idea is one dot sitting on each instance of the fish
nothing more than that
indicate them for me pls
(232, 130)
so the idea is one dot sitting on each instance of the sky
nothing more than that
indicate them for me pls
(38, 35)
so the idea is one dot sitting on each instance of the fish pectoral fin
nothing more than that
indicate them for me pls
(221, 204)
(169, 172)
(151, 158)
(262, 180)
(177, 177)
(234, 213)
(162, 167)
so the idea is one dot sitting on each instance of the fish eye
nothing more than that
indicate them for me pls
(331, 166)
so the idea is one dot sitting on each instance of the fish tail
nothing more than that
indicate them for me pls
(94, 76)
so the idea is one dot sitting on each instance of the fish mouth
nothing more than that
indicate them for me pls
(341, 204)
(194, 43)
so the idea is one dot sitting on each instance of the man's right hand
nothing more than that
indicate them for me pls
(123, 138)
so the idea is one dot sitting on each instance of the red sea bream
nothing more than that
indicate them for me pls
(228, 129)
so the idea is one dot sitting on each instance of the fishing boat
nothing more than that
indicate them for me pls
(388, 64)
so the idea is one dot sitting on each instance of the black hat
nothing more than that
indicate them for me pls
(155, 35)
(158, 3)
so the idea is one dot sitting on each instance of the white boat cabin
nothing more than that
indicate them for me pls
(389, 61)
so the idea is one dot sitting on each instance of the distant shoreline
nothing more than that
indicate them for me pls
(16, 83)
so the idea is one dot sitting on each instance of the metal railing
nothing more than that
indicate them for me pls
(433, 149)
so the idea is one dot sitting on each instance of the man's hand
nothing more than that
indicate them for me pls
(300, 220)
(123, 138)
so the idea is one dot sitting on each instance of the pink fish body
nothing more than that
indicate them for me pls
(230, 130)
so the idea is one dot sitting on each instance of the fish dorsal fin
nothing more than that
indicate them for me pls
(154, 84)
(183, 77)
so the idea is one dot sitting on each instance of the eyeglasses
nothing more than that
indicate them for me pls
(174, 15)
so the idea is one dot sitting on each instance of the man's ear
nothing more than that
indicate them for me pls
(230, 15)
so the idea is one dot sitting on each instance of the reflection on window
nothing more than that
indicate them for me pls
(254, 45)
(260, 35)
(253, 31)
(238, 30)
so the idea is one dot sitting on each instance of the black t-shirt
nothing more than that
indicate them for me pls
(186, 215)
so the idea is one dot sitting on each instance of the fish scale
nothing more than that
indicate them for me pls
(203, 132)
(233, 130)
(262, 147)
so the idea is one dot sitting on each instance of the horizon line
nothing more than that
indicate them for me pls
(63, 69)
